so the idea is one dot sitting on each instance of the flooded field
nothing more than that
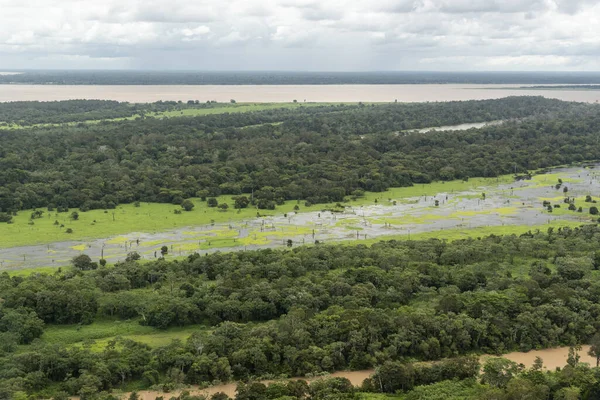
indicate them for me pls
(287, 93)
(502, 205)
(553, 358)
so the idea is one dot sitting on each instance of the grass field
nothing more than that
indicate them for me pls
(101, 332)
(154, 217)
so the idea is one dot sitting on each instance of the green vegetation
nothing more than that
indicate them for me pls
(156, 217)
(103, 331)
(304, 311)
(20, 115)
(318, 154)
(417, 310)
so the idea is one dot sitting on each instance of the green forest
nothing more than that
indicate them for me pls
(426, 319)
(317, 154)
(394, 306)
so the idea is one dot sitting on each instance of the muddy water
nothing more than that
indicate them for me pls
(552, 358)
(285, 93)
(355, 377)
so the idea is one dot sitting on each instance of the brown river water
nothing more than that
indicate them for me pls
(285, 93)
(553, 358)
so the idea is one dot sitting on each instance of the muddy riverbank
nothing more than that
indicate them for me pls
(553, 358)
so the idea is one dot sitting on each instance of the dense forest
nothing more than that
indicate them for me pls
(293, 78)
(313, 309)
(26, 113)
(317, 154)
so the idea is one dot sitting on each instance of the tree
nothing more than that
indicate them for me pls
(595, 348)
(22, 322)
(164, 250)
(187, 205)
(223, 206)
(133, 256)
(498, 371)
(74, 215)
(82, 262)
(240, 202)
(594, 210)
(212, 202)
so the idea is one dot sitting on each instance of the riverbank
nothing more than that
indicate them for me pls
(553, 358)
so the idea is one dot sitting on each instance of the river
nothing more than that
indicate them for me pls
(552, 358)
(286, 93)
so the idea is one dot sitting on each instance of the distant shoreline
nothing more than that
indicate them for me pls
(142, 78)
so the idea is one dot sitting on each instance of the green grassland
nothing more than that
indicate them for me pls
(99, 333)
(154, 217)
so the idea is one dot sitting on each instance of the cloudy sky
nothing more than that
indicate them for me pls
(316, 35)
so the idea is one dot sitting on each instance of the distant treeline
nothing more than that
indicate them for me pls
(293, 78)
(26, 113)
(571, 87)
(317, 154)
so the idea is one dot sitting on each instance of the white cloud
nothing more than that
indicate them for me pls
(283, 34)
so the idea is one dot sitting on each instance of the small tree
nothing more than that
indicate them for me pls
(223, 206)
(133, 256)
(187, 205)
(595, 348)
(212, 202)
(82, 262)
(240, 202)
(594, 210)
(74, 215)
(164, 250)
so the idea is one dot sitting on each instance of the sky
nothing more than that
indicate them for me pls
(301, 35)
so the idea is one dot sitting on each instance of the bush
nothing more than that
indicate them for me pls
(187, 205)
(5, 217)
(212, 202)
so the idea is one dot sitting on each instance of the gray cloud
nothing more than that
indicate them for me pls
(301, 34)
